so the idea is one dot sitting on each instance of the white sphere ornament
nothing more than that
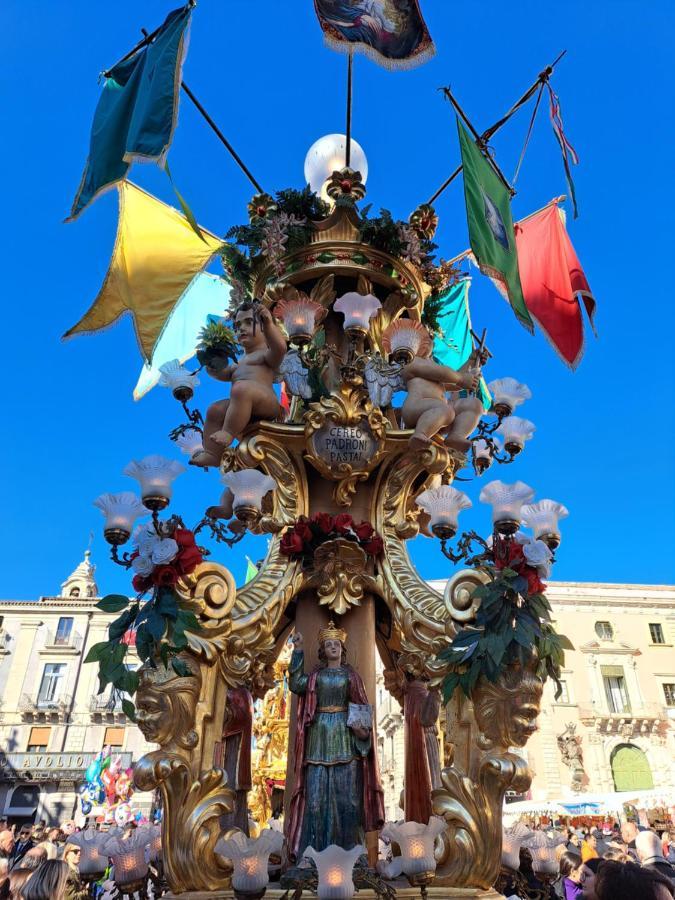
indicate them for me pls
(328, 155)
(443, 505)
(543, 518)
(120, 511)
(506, 501)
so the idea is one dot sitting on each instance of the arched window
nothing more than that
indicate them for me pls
(630, 769)
(74, 592)
(90, 590)
(24, 799)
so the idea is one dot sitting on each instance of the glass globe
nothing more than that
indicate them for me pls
(327, 155)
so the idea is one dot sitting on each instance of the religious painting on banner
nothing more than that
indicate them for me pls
(391, 32)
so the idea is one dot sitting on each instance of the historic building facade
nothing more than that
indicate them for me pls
(52, 722)
(613, 727)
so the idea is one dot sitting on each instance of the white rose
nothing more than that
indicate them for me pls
(142, 564)
(537, 553)
(163, 550)
(143, 537)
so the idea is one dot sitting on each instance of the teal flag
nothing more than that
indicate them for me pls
(136, 114)
(453, 342)
(491, 234)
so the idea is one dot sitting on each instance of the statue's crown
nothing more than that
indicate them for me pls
(332, 633)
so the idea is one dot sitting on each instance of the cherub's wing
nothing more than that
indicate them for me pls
(295, 375)
(382, 381)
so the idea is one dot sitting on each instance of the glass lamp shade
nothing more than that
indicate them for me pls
(542, 518)
(506, 501)
(542, 848)
(155, 845)
(358, 310)
(507, 394)
(93, 859)
(417, 844)
(482, 455)
(130, 864)
(514, 431)
(443, 504)
(248, 487)
(300, 318)
(176, 377)
(190, 442)
(328, 155)
(404, 339)
(250, 857)
(335, 867)
(512, 839)
(156, 475)
(120, 511)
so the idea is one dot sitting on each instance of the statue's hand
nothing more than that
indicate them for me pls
(265, 316)
(471, 379)
(298, 642)
(361, 733)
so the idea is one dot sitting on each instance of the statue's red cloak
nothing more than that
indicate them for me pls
(373, 796)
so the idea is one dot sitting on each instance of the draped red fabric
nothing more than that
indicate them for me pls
(553, 280)
(240, 723)
(417, 783)
(373, 796)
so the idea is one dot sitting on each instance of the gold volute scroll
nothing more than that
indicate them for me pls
(339, 575)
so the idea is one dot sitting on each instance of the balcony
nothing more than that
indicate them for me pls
(106, 709)
(62, 644)
(41, 710)
(649, 718)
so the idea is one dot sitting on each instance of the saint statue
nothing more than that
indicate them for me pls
(233, 754)
(421, 707)
(337, 795)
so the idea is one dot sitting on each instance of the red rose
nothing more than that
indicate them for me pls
(141, 583)
(291, 544)
(534, 584)
(323, 521)
(184, 537)
(374, 546)
(302, 529)
(511, 557)
(343, 523)
(364, 531)
(165, 576)
(188, 559)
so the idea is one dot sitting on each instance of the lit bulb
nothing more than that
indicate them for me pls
(327, 155)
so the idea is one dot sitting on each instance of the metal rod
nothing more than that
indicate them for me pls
(479, 140)
(348, 148)
(444, 185)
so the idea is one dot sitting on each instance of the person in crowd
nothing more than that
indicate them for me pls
(573, 841)
(48, 882)
(6, 845)
(650, 853)
(629, 831)
(50, 843)
(589, 848)
(17, 880)
(527, 871)
(618, 854)
(75, 890)
(606, 879)
(33, 858)
(23, 844)
(570, 876)
(668, 838)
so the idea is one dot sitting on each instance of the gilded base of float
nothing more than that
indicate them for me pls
(403, 890)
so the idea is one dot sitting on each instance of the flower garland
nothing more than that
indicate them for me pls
(303, 538)
(160, 561)
(513, 621)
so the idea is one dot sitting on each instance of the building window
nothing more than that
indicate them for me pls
(615, 689)
(74, 592)
(38, 740)
(52, 682)
(565, 694)
(604, 631)
(656, 632)
(669, 693)
(63, 630)
(114, 738)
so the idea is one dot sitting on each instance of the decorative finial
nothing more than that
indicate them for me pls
(345, 187)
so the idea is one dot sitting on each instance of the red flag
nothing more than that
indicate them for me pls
(284, 401)
(553, 280)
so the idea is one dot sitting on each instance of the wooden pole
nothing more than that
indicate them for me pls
(348, 147)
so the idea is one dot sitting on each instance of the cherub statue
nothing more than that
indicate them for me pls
(426, 407)
(252, 378)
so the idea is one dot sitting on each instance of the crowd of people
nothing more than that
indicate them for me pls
(39, 863)
(627, 862)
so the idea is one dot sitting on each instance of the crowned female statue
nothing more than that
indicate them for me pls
(337, 795)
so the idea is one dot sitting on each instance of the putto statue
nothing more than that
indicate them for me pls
(571, 751)
(337, 796)
(252, 377)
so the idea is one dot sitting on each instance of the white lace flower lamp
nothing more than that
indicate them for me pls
(358, 310)
(443, 505)
(156, 475)
(250, 859)
(120, 511)
(543, 518)
(514, 431)
(300, 317)
(190, 442)
(177, 378)
(405, 339)
(507, 394)
(482, 455)
(248, 487)
(335, 867)
(417, 847)
(512, 839)
(506, 501)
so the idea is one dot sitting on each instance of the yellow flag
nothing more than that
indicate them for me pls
(156, 257)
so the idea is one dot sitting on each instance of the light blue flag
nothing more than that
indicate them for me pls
(207, 295)
(453, 342)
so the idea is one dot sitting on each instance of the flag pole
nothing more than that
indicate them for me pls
(489, 132)
(348, 147)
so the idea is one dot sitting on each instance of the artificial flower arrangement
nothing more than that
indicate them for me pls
(513, 621)
(302, 539)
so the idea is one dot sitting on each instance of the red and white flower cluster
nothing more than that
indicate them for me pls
(303, 538)
(160, 561)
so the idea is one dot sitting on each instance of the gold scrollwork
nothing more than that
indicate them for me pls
(340, 576)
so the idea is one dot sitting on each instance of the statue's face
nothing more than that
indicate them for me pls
(243, 329)
(333, 649)
(152, 714)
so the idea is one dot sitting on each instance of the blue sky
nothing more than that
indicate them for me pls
(604, 436)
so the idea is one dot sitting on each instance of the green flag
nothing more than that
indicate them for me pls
(491, 234)
(251, 570)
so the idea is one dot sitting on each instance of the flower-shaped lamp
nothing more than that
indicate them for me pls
(300, 318)
(417, 846)
(506, 501)
(93, 860)
(120, 511)
(544, 860)
(176, 377)
(335, 867)
(156, 475)
(358, 310)
(542, 518)
(443, 504)
(250, 858)
(405, 339)
(248, 487)
(155, 846)
(507, 394)
(514, 431)
(512, 839)
(190, 442)
(482, 455)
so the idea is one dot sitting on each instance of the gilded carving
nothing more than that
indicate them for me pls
(339, 575)
(506, 712)
(166, 704)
